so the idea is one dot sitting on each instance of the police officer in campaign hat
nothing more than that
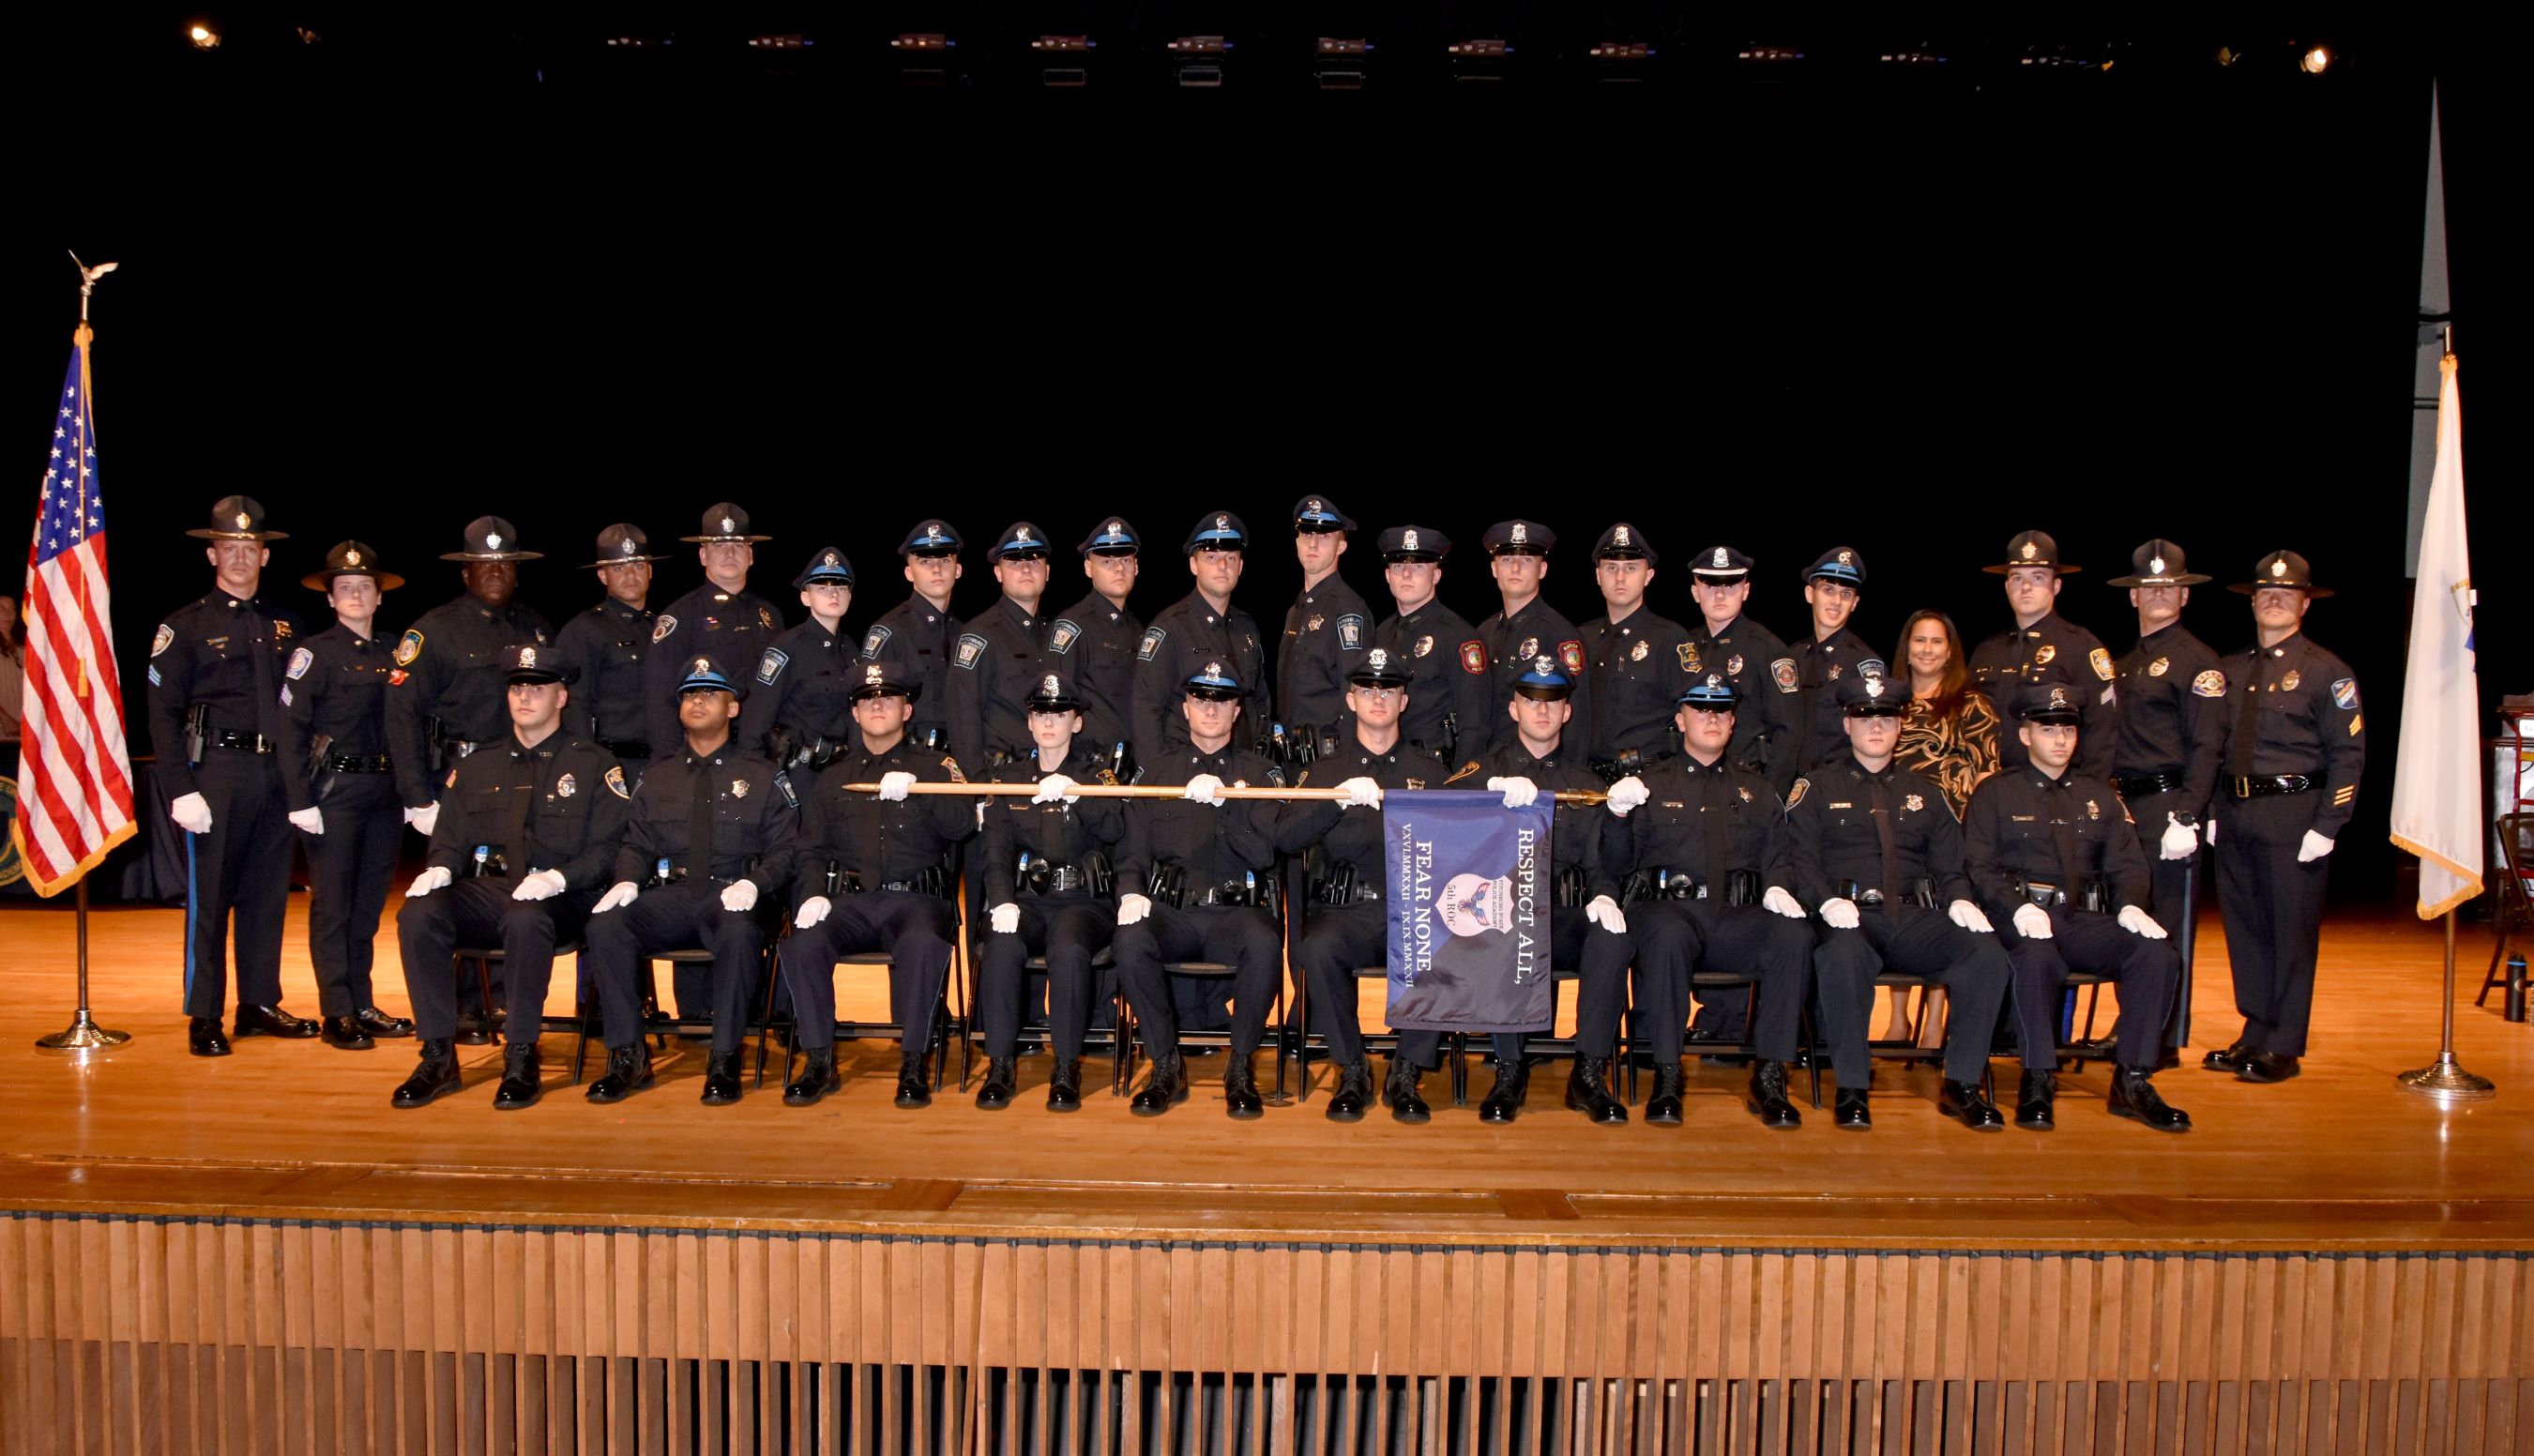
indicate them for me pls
(912, 639)
(1193, 875)
(1695, 837)
(1872, 851)
(523, 846)
(215, 667)
(1047, 862)
(448, 693)
(871, 874)
(1637, 660)
(1000, 655)
(1094, 642)
(2056, 863)
(336, 777)
(2172, 731)
(2046, 647)
(1345, 926)
(1528, 627)
(1816, 666)
(2296, 745)
(709, 838)
(721, 619)
(1201, 628)
(609, 641)
(1327, 630)
(1451, 700)
(801, 712)
(1727, 642)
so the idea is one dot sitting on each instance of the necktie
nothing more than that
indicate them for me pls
(699, 818)
(2063, 828)
(1882, 793)
(523, 791)
(2239, 749)
(267, 702)
(1714, 806)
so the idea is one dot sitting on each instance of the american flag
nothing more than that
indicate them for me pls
(75, 777)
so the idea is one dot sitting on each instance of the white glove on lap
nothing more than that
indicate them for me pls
(1360, 793)
(1006, 918)
(1627, 794)
(1839, 914)
(539, 884)
(894, 784)
(2313, 848)
(1603, 911)
(1968, 915)
(309, 821)
(2138, 923)
(618, 896)
(1519, 793)
(2031, 922)
(739, 897)
(1133, 908)
(424, 820)
(428, 881)
(1778, 902)
(191, 814)
(1205, 788)
(2180, 841)
(811, 911)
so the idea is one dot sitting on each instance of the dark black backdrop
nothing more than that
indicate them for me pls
(385, 296)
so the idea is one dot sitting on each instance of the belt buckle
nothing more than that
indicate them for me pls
(2243, 787)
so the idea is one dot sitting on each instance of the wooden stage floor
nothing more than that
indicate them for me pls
(2339, 1160)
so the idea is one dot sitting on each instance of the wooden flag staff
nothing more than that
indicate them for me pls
(1163, 791)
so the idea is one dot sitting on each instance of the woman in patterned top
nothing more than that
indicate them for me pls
(1949, 736)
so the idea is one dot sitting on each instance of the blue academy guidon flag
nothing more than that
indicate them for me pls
(1469, 896)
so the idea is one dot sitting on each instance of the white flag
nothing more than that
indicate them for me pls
(2437, 776)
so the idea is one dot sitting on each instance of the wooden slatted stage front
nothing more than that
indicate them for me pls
(259, 1253)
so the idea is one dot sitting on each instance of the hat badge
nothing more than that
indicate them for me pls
(1619, 536)
(2057, 697)
(493, 540)
(1720, 556)
(527, 657)
(1714, 681)
(1021, 535)
(1046, 687)
(1544, 665)
(244, 521)
(1312, 505)
(1873, 687)
(1223, 522)
(1377, 659)
(1847, 558)
(1408, 541)
(2155, 567)
(1520, 533)
(351, 558)
(727, 526)
(2030, 551)
(830, 559)
(624, 547)
(1116, 529)
(2278, 567)
(703, 665)
(1214, 669)
(871, 676)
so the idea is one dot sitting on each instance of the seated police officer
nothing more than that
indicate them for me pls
(1045, 862)
(2052, 850)
(710, 834)
(1872, 850)
(1699, 834)
(1195, 871)
(1345, 930)
(871, 874)
(519, 853)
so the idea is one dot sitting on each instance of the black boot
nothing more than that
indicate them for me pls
(1353, 1093)
(1769, 1101)
(1164, 1089)
(629, 1070)
(1399, 1089)
(1504, 1099)
(2229, 1059)
(1240, 1089)
(2134, 1096)
(379, 1024)
(1663, 1108)
(1850, 1112)
(914, 1080)
(270, 1021)
(1966, 1101)
(815, 1081)
(202, 1037)
(2032, 1097)
(1002, 1081)
(721, 1079)
(1064, 1086)
(344, 1033)
(1586, 1094)
(519, 1068)
(436, 1077)
(2267, 1066)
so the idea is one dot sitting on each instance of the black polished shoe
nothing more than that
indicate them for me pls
(1966, 1101)
(346, 1034)
(815, 1081)
(1698, 1034)
(1768, 1100)
(1353, 1093)
(629, 1070)
(474, 1031)
(1240, 1089)
(2033, 1094)
(202, 1037)
(2136, 1098)
(721, 1079)
(914, 1080)
(436, 1077)
(1399, 1089)
(1850, 1112)
(270, 1021)
(1586, 1094)
(1002, 1081)
(379, 1024)
(519, 1068)
(1662, 1108)
(2267, 1067)
(1064, 1086)
(1164, 1089)
(1504, 1099)
(2227, 1058)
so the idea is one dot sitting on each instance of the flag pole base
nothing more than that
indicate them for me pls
(83, 1035)
(2445, 1082)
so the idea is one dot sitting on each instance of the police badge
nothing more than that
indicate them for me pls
(739, 788)
(2159, 667)
(1425, 644)
(1915, 803)
(566, 786)
(1733, 666)
(1638, 653)
(2289, 683)
(661, 629)
(1530, 647)
(2043, 656)
(2093, 809)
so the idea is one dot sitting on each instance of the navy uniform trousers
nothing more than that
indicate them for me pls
(2147, 971)
(478, 913)
(684, 916)
(915, 929)
(1242, 936)
(1667, 940)
(1069, 928)
(239, 871)
(348, 870)
(2273, 913)
(1913, 940)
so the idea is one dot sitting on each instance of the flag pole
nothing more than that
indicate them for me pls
(2444, 1079)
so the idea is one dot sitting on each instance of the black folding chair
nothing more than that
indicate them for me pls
(948, 1020)
(2515, 905)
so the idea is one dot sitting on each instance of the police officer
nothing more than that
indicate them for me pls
(1190, 871)
(447, 693)
(2046, 647)
(721, 619)
(215, 667)
(870, 877)
(523, 847)
(1815, 666)
(2295, 744)
(608, 641)
(2172, 737)
(1327, 629)
(708, 837)
(2053, 857)
(1528, 628)
(1094, 642)
(1349, 869)
(802, 711)
(336, 777)
(912, 639)
(1862, 836)
(1451, 700)
(1725, 643)
(1045, 865)
(1201, 628)
(1697, 838)
(1637, 658)
(998, 662)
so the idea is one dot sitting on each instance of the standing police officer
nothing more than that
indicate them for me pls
(721, 619)
(215, 715)
(1326, 629)
(998, 662)
(804, 678)
(912, 640)
(1528, 628)
(2046, 647)
(2172, 729)
(1725, 643)
(1451, 704)
(1638, 659)
(447, 693)
(1815, 666)
(1201, 628)
(608, 641)
(1095, 638)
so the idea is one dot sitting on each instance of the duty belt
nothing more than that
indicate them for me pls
(1044, 879)
(2272, 783)
(2140, 785)
(2088, 896)
(1225, 894)
(625, 747)
(1358, 892)
(1920, 892)
(359, 764)
(245, 743)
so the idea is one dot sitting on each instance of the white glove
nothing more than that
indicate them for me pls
(2138, 923)
(2213, 833)
(191, 814)
(1627, 794)
(1054, 787)
(2031, 922)
(1205, 788)
(1360, 793)
(2180, 842)
(1968, 915)
(1006, 918)
(434, 878)
(424, 820)
(618, 896)
(811, 911)
(1778, 902)
(539, 884)
(894, 783)
(309, 821)
(1603, 911)
(1519, 793)
(739, 897)
(2313, 848)
(1133, 908)
(1839, 914)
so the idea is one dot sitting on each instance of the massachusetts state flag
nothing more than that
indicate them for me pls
(2438, 812)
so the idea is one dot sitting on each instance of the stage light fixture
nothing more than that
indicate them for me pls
(780, 42)
(2228, 55)
(1771, 55)
(1923, 54)
(2316, 60)
(203, 35)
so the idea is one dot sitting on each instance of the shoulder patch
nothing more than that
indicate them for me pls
(301, 659)
(875, 639)
(770, 666)
(661, 629)
(1153, 640)
(2103, 661)
(1060, 637)
(971, 648)
(408, 648)
(1465, 770)
(1783, 673)
(1473, 656)
(1351, 632)
(2344, 694)
(950, 766)
(1276, 776)
(165, 639)
(2210, 684)
(1688, 653)
(1795, 794)
(616, 781)
(1570, 655)
(1872, 667)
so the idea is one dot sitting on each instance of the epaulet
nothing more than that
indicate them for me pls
(1464, 771)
